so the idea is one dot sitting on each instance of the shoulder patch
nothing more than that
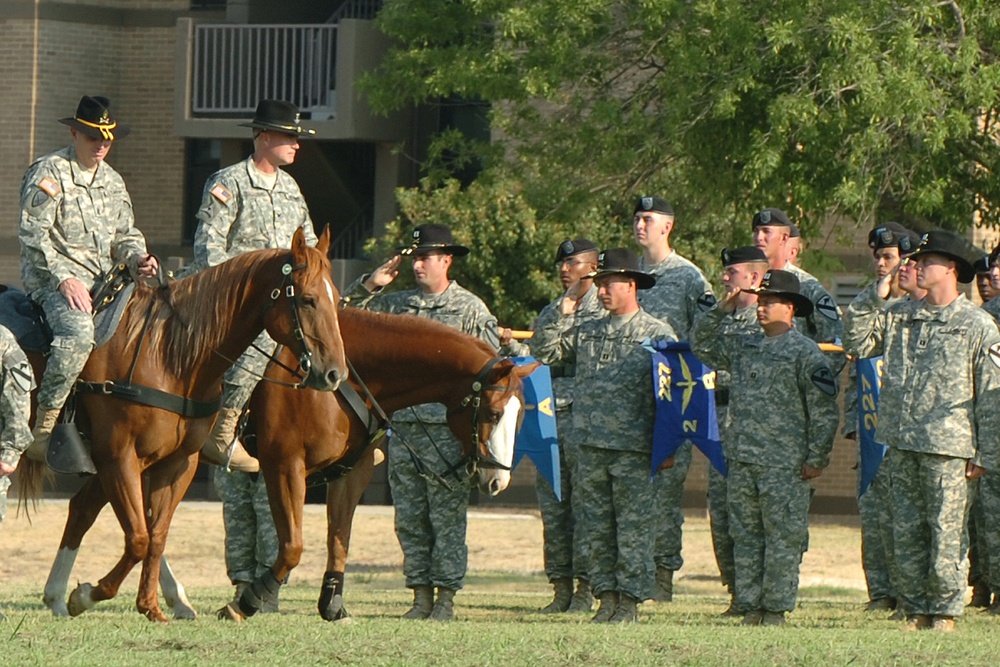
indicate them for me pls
(995, 354)
(823, 379)
(48, 186)
(706, 302)
(827, 308)
(220, 193)
(19, 371)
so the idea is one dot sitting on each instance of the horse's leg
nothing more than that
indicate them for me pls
(168, 482)
(84, 508)
(286, 493)
(123, 488)
(174, 594)
(342, 498)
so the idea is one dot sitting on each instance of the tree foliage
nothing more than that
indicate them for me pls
(870, 110)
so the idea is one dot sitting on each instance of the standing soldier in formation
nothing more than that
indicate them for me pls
(565, 552)
(613, 481)
(16, 383)
(251, 205)
(430, 519)
(783, 415)
(743, 270)
(76, 225)
(938, 415)
(680, 293)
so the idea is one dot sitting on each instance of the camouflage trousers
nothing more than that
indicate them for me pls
(718, 517)
(251, 540)
(768, 514)
(929, 505)
(242, 377)
(988, 504)
(615, 495)
(4, 485)
(430, 519)
(669, 514)
(874, 509)
(564, 547)
(979, 566)
(72, 342)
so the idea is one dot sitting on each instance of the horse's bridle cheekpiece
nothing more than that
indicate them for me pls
(288, 289)
(477, 460)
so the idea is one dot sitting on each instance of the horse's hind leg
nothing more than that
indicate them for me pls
(342, 498)
(123, 488)
(84, 509)
(174, 594)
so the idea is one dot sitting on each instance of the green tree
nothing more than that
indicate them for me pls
(870, 110)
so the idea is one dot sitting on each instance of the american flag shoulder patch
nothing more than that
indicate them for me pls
(48, 186)
(220, 193)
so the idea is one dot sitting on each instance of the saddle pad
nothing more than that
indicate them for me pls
(106, 321)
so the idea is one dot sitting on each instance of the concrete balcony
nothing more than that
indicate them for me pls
(223, 70)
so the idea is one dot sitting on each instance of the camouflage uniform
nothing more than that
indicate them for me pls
(680, 293)
(766, 449)
(72, 227)
(875, 506)
(241, 212)
(16, 382)
(613, 487)
(826, 317)
(936, 360)
(743, 320)
(984, 519)
(564, 546)
(430, 519)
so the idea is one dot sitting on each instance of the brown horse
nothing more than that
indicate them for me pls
(180, 341)
(404, 361)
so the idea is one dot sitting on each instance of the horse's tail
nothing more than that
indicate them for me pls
(29, 483)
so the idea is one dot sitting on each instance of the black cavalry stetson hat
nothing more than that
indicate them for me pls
(569, 248)
(433, 236)
(94, 118)
(786, 285)
(653, 204)
(278, 116)
(951, 245)
(743, 254)
(622, 261)
(771, 217)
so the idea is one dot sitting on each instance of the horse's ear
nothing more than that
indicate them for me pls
(324, 240)
(526, 370)
(506, 367)
(299, 246)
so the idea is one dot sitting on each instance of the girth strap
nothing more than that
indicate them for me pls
(346, 463)
(137, 393)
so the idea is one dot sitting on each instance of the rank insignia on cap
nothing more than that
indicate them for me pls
(48, 186)
(827, 308)
(823, 380)
(222, 194)
(995, 354)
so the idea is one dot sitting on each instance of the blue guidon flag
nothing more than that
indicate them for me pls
(869, 377)
(537, 438)
(684, 390)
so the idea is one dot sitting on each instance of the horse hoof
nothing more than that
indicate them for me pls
(184, 613)
(57, 605)
(230, 613)
(80, 600)
(334, 609)
(156, 616)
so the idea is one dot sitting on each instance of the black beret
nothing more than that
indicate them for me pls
(747, 253)
(893, 235)
(654, 204)
(569, 248)
(771, 217)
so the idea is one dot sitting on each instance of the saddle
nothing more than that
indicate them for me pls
(26, 319)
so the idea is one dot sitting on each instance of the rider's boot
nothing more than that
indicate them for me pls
(45, 421)
(216, 449)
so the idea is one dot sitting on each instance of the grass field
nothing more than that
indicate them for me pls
(497, 623)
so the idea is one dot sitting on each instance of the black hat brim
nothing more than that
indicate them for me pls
(642, 280)
(456, 250)
(121, 130)
(966, 272)
(295, 130)
(803, 306)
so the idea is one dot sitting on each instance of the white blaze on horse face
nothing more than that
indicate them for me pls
(501, 447)
(329, 288)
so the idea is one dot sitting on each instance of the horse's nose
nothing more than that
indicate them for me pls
(335, 377)
(495, 487)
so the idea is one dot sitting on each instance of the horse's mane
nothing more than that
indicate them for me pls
(188, 319)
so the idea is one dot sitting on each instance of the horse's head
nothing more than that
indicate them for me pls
(309, 321)
(495, 404)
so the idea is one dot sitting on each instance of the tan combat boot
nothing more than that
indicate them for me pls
(609, 603)
(563, 588)
(664, 591)
(423, 603)
(583, 599)
(626, 611)
(45, 421)
(222, 438)
(444, 606)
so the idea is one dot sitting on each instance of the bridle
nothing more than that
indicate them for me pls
(288, 288)
(476, 459)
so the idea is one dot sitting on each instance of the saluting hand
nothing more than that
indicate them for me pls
(384, 274)
(728, 302)
(885, 283)
(76, 295)
(572, 296)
